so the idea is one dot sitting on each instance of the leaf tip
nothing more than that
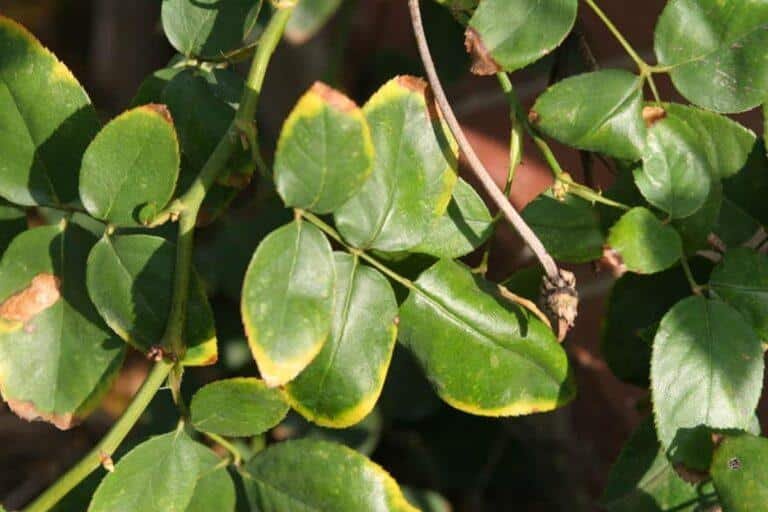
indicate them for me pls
(482, 62)
(162, 110)
(28, 411)
(334, 98)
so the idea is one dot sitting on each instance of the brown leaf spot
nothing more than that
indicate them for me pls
(653, 114)
(333, 97)
(42, 293)
(162, 110)
(420, 86)
(533, 117)
(482, 62)
(27, 411)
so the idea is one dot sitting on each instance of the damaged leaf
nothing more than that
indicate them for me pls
(57, 357)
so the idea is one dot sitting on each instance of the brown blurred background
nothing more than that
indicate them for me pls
(111, 45)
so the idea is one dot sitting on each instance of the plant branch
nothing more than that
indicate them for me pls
(188, 206)
(641, 64)
(107, 446)
(476, 165)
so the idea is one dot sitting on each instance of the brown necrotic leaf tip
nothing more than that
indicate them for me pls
(482, 62)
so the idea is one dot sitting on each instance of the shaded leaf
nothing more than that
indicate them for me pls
(749, 187)
(675, 175)
(131, 167)
(414, 170)
(569, 229)
(208, 28)
(130, 280)
(642, 479)
(741, 280)
(464, 227)
(310, 475)
(57, 358)
(716, 51)
(740, 473)
(706, 370)
(237, 407)
(342, 384)
(325, 152)
(610, 123)
(695, 229)
(644, 243)
(287, 302)
(47, 121)
(636, 305)
(515, 33)
(484, 355)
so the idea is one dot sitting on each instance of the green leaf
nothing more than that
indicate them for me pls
(311, 476)
(308, 18)
(215, 95)
(716, 51)
(644, 243)
(238, 407)
(414, 171)
(57, 358)
(706, 370)
(167, 472)
(734, 226)
(342, 384)
(130, 280)
(741, 280)
(510, 34)
(47, 121)
(569, 229)
(740, 473)
(287, 303)
(13, 221)
(131, 165)
(484, 355)
(675, 175)
(208, 28)
(610, 122)
(215, 489)
(725, 144)
(694, 230)
(636, 305)
(642, 479)
(465, 226)
(325, 151)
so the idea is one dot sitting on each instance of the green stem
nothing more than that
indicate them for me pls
(237, 457)
(696, 288)
(328, 230)
(107, 446)
(584, 192)
(641, 64)
(188, 206)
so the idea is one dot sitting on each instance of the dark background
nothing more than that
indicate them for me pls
(557, 461)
